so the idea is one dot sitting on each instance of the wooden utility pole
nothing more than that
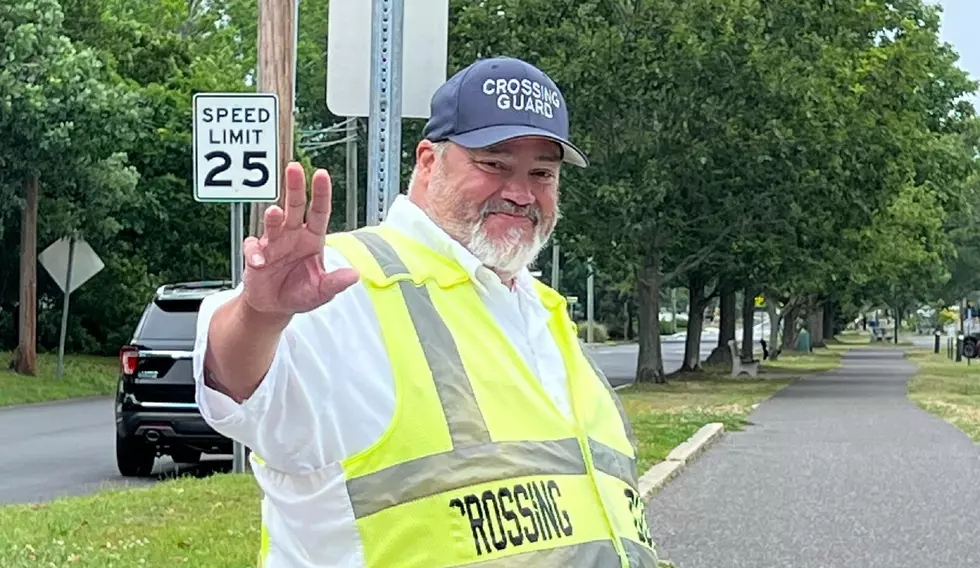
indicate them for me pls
(276, 72)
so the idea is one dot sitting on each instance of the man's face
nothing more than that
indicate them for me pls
(500, 202)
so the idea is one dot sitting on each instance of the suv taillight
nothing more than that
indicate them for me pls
(128, 358)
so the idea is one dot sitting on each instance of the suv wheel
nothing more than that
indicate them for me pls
(970, 348)
(134, 458)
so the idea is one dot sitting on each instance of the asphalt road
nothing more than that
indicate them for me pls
(618, 362)
(65, 448)
(836, 471)
(68, 448)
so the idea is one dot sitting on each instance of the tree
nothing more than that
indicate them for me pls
(62, 114)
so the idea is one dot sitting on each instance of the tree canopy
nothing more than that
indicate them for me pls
(819, 154)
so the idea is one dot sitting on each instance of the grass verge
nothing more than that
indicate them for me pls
(214, 522)
(211, 522)
(819, 360)
(84, 375)
(947, 389)
(664, 415)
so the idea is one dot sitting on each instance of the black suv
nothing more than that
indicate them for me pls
(156, 411)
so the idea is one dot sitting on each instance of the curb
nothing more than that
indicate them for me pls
(686, 452)
(59, 402)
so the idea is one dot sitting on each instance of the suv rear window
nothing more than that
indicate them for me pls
(171, 319)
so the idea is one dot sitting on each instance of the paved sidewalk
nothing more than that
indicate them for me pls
(838, 471)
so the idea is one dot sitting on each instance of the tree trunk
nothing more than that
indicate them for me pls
(773, 329)
(726, 327)
(649, 363)
(748, 324)
(829, 320)
(815, 318)
(695, 323)
(898, 323)
(27, 346)
(789, 328)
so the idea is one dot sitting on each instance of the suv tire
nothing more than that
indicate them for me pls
(970, 347)
(134, 458)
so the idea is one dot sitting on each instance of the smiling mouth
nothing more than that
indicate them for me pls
(515, 216)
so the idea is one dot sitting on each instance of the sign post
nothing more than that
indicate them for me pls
(70, 262)
(236, 161)
(370, 42)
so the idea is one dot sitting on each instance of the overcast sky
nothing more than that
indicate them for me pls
(960, 19)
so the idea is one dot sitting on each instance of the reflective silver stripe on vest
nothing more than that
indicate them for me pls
(460, 468)
(463, 416)
(595, 554)
(613, 462)
(639, 555)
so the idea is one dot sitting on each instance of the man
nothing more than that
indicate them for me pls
(412, 396)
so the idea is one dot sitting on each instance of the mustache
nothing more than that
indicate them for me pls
(532, 212)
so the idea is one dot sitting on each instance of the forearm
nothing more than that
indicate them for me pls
(242, 344)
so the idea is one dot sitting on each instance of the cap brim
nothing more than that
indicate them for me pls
(483, 137)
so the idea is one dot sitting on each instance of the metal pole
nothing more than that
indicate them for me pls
(237, 268)
(590, 288)
(352, 173)
(555, 265)
(385, 138)
(292, 154)
(64, 308)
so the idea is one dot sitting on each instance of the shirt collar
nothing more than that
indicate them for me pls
(408, 219)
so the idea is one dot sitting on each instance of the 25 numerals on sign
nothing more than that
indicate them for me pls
(248, 162)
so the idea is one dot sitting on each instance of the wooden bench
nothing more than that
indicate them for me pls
(750, 368)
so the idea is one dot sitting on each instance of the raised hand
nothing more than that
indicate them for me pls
(284, 272)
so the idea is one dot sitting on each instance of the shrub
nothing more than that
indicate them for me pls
(599, 332)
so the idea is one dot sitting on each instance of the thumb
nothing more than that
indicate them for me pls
(336, 281)
(254, 255)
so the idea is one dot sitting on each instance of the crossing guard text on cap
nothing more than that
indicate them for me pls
(498, 99)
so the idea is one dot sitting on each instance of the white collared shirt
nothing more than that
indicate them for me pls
(330, 390)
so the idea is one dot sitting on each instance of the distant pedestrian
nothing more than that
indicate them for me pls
(413, 396)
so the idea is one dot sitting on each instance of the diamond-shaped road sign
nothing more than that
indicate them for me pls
(85, 265)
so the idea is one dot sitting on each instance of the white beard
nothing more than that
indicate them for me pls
(508, 254)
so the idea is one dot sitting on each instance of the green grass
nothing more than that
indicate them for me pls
(948, 389)
(214, 522)
(664, 415)
(863, 339)
(817, 361)
(84, 375)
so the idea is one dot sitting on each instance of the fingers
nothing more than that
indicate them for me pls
(319, 215)
(253, 253)
(295, 195)
(273, 221)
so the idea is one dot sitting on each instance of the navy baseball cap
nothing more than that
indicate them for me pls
(498, 99)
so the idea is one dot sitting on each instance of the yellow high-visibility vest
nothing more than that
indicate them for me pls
(478, 466)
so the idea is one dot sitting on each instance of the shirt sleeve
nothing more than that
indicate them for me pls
(287, 420)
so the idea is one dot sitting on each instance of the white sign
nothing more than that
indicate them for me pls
(85, 263)
(425, 46)
(236, 147)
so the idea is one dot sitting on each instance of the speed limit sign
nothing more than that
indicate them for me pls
(236, 147)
